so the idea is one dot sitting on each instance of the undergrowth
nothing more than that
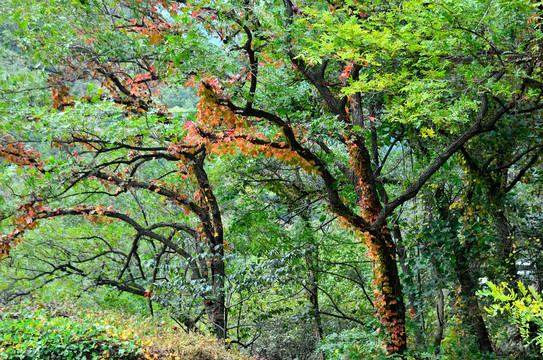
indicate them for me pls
(48, 331)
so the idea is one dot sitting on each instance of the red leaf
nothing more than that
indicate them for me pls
(188, 125)
(346, 72)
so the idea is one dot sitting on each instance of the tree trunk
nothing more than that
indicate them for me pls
(468, 289)
(389, 304)
(212, 232)
(215, 304)
(411, 294)
(468, 283)
(506, 246)
(440, 321)
(313, 295)
(216, 312)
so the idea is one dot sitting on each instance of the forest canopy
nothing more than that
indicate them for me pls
(321, 179)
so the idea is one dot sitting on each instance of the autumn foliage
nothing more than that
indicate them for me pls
(333, 90)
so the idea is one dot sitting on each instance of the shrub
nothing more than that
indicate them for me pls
(523, 307)
(352, 344)
(28, 332)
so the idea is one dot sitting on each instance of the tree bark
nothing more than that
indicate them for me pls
(211, 219)
(440, 321)
(216, 313)
(468, 289)
(389, 304)
(506, 246)
(313, 295)
(411, 294)
(468, 283)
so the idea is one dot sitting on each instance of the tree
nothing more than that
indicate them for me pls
(358, 76)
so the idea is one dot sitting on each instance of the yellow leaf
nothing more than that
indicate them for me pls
(427, 133)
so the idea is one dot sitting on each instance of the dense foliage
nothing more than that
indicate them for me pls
(36, 335)
(304, 180)
(37, 330)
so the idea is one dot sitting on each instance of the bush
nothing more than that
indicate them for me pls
(523, 307)
(29, 332)
(353, 344)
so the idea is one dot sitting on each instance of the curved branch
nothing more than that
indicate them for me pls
(476, 129)
(335, 202)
